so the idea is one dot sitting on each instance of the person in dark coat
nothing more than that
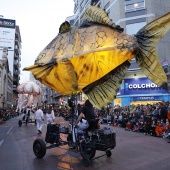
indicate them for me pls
(79, 109)
(163, 112)
(85, 116)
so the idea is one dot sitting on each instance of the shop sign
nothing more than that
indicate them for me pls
(146, 98)
(139, 86)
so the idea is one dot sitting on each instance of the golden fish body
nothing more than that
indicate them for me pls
(93, 51)
(94, 57)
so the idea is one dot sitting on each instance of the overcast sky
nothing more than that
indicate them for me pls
(39, 22)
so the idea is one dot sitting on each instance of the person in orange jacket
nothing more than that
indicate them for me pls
(160, 129)
(168, 116)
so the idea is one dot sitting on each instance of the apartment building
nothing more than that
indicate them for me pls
(10, 39)
(6, 81)
(17, 61)
(131, 15)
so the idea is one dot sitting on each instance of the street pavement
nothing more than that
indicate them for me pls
(133, 151)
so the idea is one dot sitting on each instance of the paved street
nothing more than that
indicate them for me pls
(134, 151)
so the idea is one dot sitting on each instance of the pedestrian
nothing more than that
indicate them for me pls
(39, 116)
(50, 115)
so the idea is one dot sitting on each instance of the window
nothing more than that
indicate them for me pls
(134, 5)
(71, 22)
(94, 2)
(106, 7)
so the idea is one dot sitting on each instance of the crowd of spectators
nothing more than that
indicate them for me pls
(152, 119)
(6, 114)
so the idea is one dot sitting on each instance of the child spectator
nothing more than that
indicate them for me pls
(128, 126)
(167, 129)
(159, 129)
(146, 128)
(153, 128)
(136, 127)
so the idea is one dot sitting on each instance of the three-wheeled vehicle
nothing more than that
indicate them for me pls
(27, 118)
(86, 142)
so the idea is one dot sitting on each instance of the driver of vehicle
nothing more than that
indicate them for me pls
(85, 116)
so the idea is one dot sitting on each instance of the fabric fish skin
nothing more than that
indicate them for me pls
(94, 57)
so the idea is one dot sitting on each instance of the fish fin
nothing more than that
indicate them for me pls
(96, 15)
(61, 77)
(64, 27)
(105, 89)
(147, 57)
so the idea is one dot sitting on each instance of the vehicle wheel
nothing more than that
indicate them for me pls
(20, 122)
(39, 148)
(86, 150)
(108, 153)
(86, 162)
(23, 117)
(26, 122)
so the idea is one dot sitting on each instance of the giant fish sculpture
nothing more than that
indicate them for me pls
(94, 57)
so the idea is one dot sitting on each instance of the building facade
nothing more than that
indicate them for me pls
(6, 81)
(10, 38)
(17, 62)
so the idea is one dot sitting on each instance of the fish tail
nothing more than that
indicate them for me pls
(146, 56)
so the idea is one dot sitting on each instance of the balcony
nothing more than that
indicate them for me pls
(17, 50)
(16, 73)
(14, 87)
(15, 79)
(16, 57)
(16, 42)
(16, 64)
